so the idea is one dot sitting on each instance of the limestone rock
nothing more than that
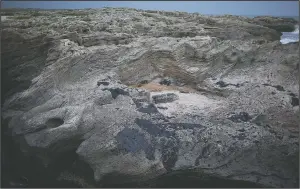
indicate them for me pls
(74, 109)
(164, 98)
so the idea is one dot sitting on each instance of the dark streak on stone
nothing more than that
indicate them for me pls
(54, 122)
(240, 117)
(131, 140)
(115, 92)
(278, 87)
(152, 128)
(223, 84)
(204, 153)
(105, 83)
(169, 154)
(149, 109)
(163, 108)
(242, 130)
(295, 101)
(186, 125)
(240, 136)
(292, 94)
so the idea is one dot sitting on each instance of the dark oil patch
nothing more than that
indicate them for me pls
(295, 101)
(132, 141)
(115, 92)
(144, 82)
(170, 154)
(186, 125)
(54, 122)
(105, 83)
(292, 94)
(240, 117)
(240, 136)
(278, 87)
(152, 128)
(260, 120)
(223, 84)
(149, 109)
(204, 153)
(242, 130)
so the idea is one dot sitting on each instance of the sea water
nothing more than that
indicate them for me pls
(288, 37)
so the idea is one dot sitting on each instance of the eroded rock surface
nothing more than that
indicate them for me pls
(75, 99)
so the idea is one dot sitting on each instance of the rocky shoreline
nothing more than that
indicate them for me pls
(119, 97)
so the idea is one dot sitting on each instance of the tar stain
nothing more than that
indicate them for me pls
(223, 84)
(295, 101)
(186, 125)
(149, 109)
(204, 153)
(152, 128)
(132, 141)
(292, 94)
(178, 179)
(278, 87)
(260, 120)
(240, 117)
(115, 92)
(105, 83)
(170, 153)
(241, 130)
(240, 136)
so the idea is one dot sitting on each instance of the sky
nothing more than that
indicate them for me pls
(272, 8)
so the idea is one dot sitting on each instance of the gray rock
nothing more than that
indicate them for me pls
(166, 81)
(164, 98)
(70, 101)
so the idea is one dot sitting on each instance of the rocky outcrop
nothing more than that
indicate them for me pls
(278, 24)
(86, 116)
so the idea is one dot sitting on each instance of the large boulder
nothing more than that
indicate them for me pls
(278, 24)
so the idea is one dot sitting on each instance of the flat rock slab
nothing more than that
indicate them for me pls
(164, 98)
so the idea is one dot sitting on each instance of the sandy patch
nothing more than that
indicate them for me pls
(188, 103)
